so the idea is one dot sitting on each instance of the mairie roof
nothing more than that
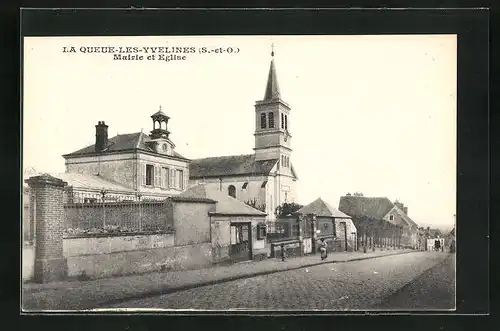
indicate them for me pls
(122, 142)
(230, 166)
(319, 207)
(225, 205)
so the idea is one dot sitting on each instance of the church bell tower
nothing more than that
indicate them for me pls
(272, 126)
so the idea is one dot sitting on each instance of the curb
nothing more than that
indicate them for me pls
(170, 290)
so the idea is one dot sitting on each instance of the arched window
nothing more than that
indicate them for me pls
(286, 122)
(231, 190)
(271, 120)
(282, 121)
(263, 120)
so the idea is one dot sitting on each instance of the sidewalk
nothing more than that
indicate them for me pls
(77, 295)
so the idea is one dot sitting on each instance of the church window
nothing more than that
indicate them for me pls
(271, 120)
(282, 121)
(263, 120)
(244, 185)
(286, 122)
(283, 160)
(231, 191)
(263, 184)
(150, 171)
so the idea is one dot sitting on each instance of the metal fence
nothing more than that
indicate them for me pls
(282, 230)
(104, 212)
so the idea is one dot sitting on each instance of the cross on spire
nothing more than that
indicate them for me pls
(272, 49)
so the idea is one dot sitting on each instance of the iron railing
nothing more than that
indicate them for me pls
(104, 212)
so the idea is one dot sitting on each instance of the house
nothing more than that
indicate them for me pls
(134, 163)
(235, 227)
(380, 222)
(266, 178)
(332, 225)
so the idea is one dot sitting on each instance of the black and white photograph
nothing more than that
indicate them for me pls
(234, 173)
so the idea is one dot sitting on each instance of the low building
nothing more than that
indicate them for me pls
(332, 225)
(235, 227)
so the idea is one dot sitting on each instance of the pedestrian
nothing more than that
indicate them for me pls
(283, 252)
(322, 249)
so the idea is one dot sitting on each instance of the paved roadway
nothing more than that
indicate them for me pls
(419, 280)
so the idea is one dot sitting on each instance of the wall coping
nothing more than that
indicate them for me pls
(45, 180)
(117, 234)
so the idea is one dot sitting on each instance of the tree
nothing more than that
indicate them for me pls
(287, 209)
(358, 194)
(254, 204)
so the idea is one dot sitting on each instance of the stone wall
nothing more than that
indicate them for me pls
(89, 258)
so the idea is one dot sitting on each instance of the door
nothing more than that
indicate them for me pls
(343, 234)
(241, 242)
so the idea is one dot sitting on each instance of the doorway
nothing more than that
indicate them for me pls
(241, 242)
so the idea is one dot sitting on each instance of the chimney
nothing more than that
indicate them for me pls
(101, 136)
(405, 209)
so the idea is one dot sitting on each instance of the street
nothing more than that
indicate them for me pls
(418, 280)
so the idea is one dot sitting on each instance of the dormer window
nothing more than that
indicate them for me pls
(391, 217)
(263, 120)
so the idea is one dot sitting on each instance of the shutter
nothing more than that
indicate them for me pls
(157, 176)
(162, 176)
(142, 173)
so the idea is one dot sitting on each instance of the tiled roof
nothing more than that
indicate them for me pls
(92, 182)
(321, 208)
(122, 142)
(374, 207)
(230, 166)
(225, 204)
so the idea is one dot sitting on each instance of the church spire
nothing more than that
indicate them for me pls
(272, 87)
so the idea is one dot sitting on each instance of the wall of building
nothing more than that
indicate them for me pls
(351, 233)
(120, 168)
(191, 222)
(276, 188)
(253, 190)
(221, 236)
(161, 186)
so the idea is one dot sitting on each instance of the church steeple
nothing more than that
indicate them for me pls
(272, 129)
(272, 87)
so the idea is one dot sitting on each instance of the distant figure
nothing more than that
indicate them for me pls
(322, 249)
(437, 245)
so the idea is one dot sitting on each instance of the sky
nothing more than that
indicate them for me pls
(372, 114)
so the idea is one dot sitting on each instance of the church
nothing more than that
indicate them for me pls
(266, 178)
(149, 166)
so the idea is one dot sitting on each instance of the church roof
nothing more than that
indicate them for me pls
(226, 204)
(375, 207)
(272, 87)
(122, 142)
(235, 165)
(321, 208)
